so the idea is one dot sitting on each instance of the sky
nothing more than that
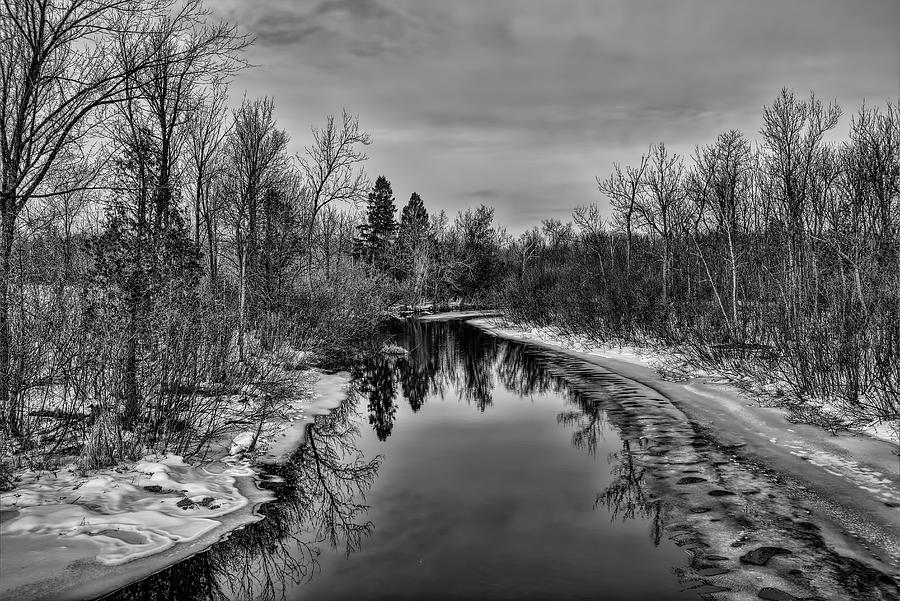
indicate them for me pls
(520, 105)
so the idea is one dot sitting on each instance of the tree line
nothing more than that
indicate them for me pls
(776, 261)
(163, 254)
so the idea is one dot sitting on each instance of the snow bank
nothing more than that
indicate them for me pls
(326, 393)
(127, 512)
(554, 336)
(458, 315)
(645, 357)
(71, 534)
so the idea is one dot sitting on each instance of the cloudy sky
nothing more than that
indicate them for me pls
(521, 104)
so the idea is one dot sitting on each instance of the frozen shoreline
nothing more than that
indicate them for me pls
(637, 355)
(73, 535)
(852, 481)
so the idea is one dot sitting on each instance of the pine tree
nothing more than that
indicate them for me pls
(414, 215)
(414, 248)
(413, 230)
(377, 233)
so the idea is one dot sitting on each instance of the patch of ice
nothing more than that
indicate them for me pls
(158, 501)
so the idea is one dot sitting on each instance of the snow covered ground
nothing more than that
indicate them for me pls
(58, 527)
(850, 480)
(657, 359)
(127, 512)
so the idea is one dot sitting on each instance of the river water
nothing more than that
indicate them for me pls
(466, 469)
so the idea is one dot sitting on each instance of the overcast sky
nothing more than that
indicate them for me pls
(521, 104)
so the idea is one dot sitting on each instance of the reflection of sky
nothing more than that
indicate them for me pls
(455, 502)
(495, 503)
(521, 104)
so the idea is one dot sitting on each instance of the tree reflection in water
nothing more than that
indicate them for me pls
(448, 354)
(587, 419)
(377, 384)
(320, 501)
(627, 495)
(527, 372)
(321, 498)
(439, 355)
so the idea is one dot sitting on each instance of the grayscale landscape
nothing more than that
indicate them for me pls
(414, 300)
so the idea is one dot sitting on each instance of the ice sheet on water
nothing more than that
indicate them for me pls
(140, 509)
(158, 501)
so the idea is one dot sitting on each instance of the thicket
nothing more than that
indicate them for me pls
(777, 262)
(165, 263)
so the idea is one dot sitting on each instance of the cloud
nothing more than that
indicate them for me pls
(328, 33)
(521, 103)
(355, 9)
(483, 194)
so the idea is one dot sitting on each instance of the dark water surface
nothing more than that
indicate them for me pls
(466, 469)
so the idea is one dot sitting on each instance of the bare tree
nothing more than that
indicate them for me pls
(332, 168)
(793, 132)
(207, 132)
(589, 221)
(60, 65)
(661, 207)
(623, 189)
(528, 245)
(255, 153)
(721, 191)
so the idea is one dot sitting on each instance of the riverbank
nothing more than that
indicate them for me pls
(747, 477)
(74, 534)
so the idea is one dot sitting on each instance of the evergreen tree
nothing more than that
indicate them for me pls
(144, 264)
(414, 252)
(414, 215)
(376, 234)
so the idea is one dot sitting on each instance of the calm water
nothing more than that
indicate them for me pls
(465, 470)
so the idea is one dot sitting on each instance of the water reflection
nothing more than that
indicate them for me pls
(627, 496)
(322, 495)
(377, 384)
(440, 355)
(436, 360)
(321, 500)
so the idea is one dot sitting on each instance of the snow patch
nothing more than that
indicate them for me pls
(126, 512)
(888, 431)
(553, 336)
(242, 442)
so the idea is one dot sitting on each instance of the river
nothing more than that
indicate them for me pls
(473, 467)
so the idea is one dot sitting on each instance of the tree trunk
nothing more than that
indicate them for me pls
(242, 302)
(7, 220)
(665, 277)
(731, 256)
(628, 246)
(130, 387)
(211, 254)
(197, 200)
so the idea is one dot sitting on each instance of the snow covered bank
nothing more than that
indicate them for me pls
(61, 529)
(73, 535)
(327, 392)
(128, 512)
(851, 481)
(453, 315)
(666, 362)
